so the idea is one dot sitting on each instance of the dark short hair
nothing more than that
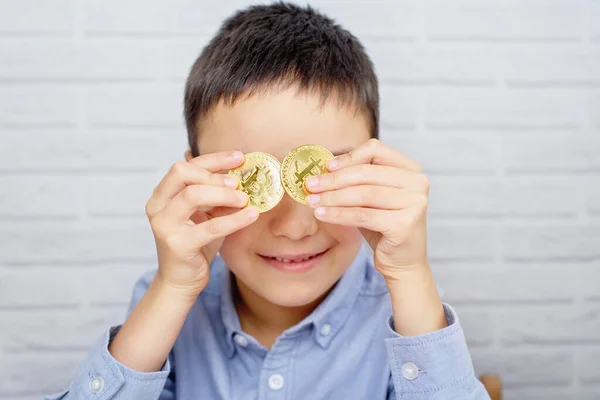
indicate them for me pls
(280, 44)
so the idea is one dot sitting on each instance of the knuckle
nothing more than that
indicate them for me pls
(408, 220)
(373, 143)
(365, 196)
(330, 179)
(362, 215)
(214, 227)
(149, 209)
(205, 176)
(189, 194)
(349, 157)
(179, 167)
(216, 179)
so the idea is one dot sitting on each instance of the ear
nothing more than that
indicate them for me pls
(188, 155)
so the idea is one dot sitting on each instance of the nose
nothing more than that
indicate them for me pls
(293, 220)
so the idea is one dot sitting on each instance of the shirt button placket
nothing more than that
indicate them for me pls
(275, 368)
(276, 382)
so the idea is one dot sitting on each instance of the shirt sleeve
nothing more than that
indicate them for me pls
(101, 377)
(436, 365)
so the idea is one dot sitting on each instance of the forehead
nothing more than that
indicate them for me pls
(277, 121)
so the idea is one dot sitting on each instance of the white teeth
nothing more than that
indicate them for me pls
(285, 260)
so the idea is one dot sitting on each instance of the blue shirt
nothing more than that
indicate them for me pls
(345, 349)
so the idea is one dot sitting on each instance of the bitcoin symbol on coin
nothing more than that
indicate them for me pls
(259, 178)
(315, 167)
(298, 165)
(257, 182)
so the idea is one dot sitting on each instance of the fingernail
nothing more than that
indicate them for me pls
(242, 196)
(314, 199)
(332, 164)
(312, 182)
(231, 182)
(320, 212)
(252, 213)
(238, 155)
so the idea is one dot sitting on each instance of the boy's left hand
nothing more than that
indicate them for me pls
(383, 193)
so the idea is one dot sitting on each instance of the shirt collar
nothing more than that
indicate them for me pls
(327, 319)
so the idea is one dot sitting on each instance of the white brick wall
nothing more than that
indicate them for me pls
(499, 100)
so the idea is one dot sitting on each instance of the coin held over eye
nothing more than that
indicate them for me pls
(260, 178)
(298, 165)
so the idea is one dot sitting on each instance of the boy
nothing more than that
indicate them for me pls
(285, 305)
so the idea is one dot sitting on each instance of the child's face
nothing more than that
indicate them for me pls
(275, 123)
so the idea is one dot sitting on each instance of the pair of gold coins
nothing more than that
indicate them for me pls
(265, 181)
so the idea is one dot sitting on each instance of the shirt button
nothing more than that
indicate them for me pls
(325, 329)
(240, 340)
(410, 371)
(96, 384)
(276, 382)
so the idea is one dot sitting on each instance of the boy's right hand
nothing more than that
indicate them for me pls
(191, 211)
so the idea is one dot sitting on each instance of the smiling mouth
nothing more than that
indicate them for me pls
(297, 259)
(286, 260)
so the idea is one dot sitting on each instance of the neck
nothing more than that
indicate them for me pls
(264, 320)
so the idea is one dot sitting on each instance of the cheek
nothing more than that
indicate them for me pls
(344, 235)
(240, 242)
(239, 246)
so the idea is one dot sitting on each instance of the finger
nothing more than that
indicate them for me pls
(200, 170)
(367, 174)
(184, 174)
(380, 197)
(219, 227)
(219, 211)
(373, 152)
(360, 217)
(195, 197)
(212, 212)
(222, 160)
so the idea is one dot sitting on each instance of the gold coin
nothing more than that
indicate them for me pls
(260, 179)
(299, 164)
